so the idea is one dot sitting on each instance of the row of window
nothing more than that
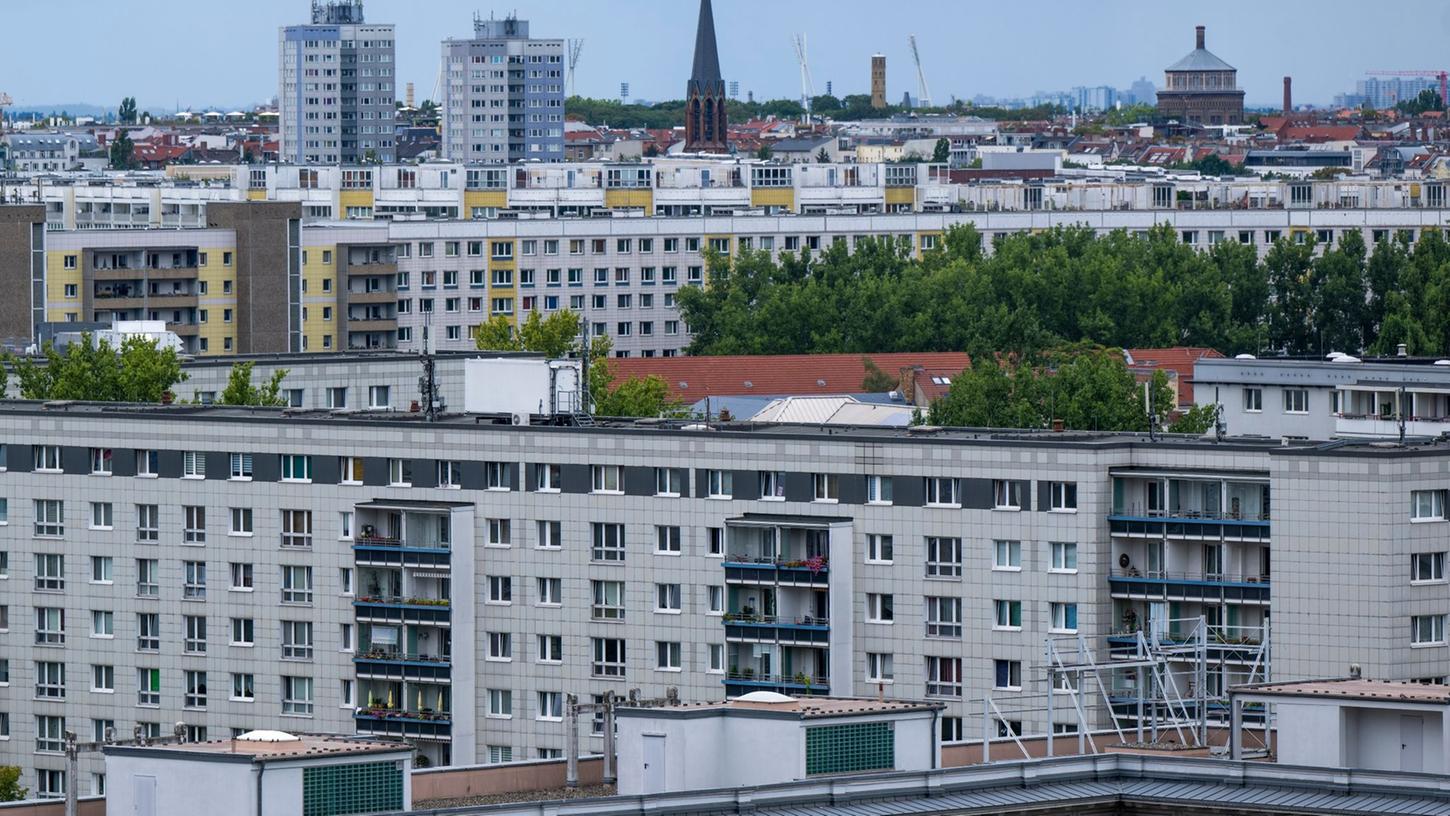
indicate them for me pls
(944, 614)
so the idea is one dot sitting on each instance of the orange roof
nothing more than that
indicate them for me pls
(1179, 359)
(694, 378)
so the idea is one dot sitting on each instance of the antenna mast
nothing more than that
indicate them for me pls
(925, 100)
(575, 46)
(806, 92)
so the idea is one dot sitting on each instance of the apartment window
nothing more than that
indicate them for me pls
(241, 466)
(148, 523)
(243, 688)
(944, 677)
(1007, 674)
(1008, 555)
(1064, 556)
(337, 395)
(49, 517)
(951, 729)
(1427, 630)
(547, 478)
(351, 468)
(943, 617)
(1427, 505)
(667, 598)
(500, 703)
(193, 529)
(195, 629)
(551, 648)
(49, 626)
(720, 484)
(880, 608)
(879, 549)
(607, 478)
(146, 582)
(667, 655)
(146, 463)
(241, 577)
(772, 485)
(49, 572)
(879, 668)
(296, 528)
(1253, 399)
(715, 541)
(193, 585)
(243, 632)
(193, 465)
(1007, 614)
(296, 640)
(608, 600)
(148, 687)
(550, 591)
(47, 458)
(500, 589)
(943, 557)
(878, 489)
(1063, 496)
(400, 473)
(1006, 495)
(102, 569)
(241, 521)
(297, 696)
(450, 474)
(669, 482)
(194, 683)
(1296, 401)
(608, 541)
(50, 737)
(148, 631)
(550, 535)
(101, 515)
(551, 705)
(1426, 567)
(667, 540)
(827, 487)
(296, 468)
(500, 646)
(608, 657)
(296, 584)
(1063, 616)
(942, 492)
(103, 679)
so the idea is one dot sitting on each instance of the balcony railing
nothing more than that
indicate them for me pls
(383, 664)
(746, 679)
(1213, 587)
(398, 723)
(392, 552)
(1199, 527)
(403, 610)
(805, 631)
(747, 569)
(1142, 511)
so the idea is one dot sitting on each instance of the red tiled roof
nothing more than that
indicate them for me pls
(1178, 359)
(1320, 133)
(694, 378)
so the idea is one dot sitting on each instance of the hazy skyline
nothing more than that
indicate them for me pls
(210, 53)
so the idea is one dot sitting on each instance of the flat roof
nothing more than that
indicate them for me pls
(1353, 688)
(252, 751)
(796, 707)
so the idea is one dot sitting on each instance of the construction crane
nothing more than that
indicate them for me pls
(925, 100)
(575, 46)
(1442, 76)
(806, 91)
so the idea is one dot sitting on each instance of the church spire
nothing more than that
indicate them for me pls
(707, 59)
(705, 93)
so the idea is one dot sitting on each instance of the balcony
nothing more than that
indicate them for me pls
(139, 273)
(380, 324)
(373, 268)
(375, 296)
(1139, 522)
(392, 722)
(750, 628)
(741, 569)
(1213, 587)
(745, 681)
(381, 664)
(377, 551)
(425, 611)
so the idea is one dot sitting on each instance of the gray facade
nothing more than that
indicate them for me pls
(336, 95)
(448, 583)
(503, 95)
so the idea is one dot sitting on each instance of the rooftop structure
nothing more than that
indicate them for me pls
(1201, 88)
(705, 119)
(513, 109)
(335, 91)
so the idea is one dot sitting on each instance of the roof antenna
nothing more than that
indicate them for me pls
(428, 384)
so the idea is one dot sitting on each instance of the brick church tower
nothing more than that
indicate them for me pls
(705, 94)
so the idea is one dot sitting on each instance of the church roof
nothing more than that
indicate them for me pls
(707, 59)
(1200, 59)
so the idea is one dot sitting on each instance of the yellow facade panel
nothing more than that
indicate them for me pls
(630, 199)
(773, 197)
(901, 195)
(257, 195)
(220, 283)
(347, 199)
(57, 278)
(475, 199)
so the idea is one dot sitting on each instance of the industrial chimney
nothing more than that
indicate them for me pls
(1288, 95)
(1198, 37)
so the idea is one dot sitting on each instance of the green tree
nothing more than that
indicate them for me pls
(823, 157)
(1197, 420)
(877, 381)
(631, 397)
(554, 336)
(140, 371)
(497, 334)
(240, 391)
(763, 153)
(122, 152)
(1427, 100)
(126, 114)
(10, 788)
(942, 153)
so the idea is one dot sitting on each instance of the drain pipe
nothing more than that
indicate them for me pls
(261, 769)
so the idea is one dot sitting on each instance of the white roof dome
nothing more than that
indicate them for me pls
(268, 736)
(765, 697)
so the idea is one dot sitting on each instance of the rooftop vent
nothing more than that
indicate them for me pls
(1245, 357)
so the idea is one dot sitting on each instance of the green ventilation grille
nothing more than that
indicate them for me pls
(834, 749)
(334, 790)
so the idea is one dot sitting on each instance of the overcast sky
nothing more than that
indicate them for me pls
(212, 53)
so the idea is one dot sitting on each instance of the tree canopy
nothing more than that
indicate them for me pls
(10, 788)
(240, 391)
(1069, 285)
(122, 152)
(139, 371)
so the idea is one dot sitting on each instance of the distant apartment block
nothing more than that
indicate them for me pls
(336, 94)
(503, 97)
